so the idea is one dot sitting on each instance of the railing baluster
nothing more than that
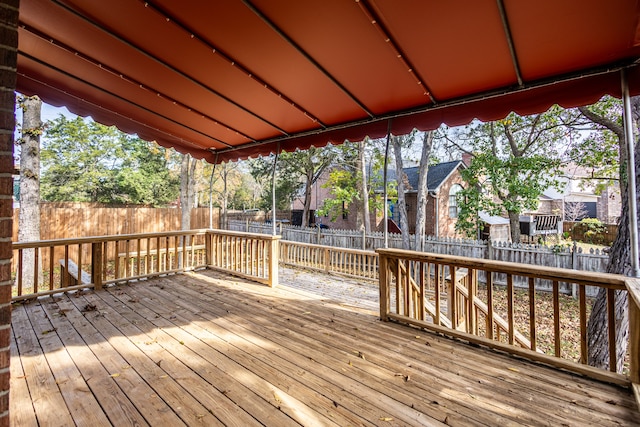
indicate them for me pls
(471, 291)
(490, 321)
(510, 311)
(127, 262)
(20, 270)
(79, 264)
(65, 274)
(582, 302)
(556, 318)
(453, 297)
(611, 321)
(532, 313)
(436, 274)
(138, 257)
(51, 264)
(422, 294)
(36, 269)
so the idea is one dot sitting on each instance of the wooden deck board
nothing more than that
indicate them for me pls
(208, 349)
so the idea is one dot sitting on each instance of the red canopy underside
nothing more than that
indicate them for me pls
(231, 79)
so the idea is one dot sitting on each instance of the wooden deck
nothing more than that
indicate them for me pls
(206, 349)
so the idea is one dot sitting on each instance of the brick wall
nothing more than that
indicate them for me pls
(8, 53)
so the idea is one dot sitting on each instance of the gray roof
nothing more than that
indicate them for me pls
(436, 175)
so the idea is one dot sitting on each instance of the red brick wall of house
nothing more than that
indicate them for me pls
(446, 225)
(8, 53)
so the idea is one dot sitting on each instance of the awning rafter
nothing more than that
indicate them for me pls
(118, 97)
(509, 38)
(170, 67)
(395, 46)
(306, 55)
(229, 59)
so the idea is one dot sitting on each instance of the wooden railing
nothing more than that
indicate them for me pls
(348, 262)
(249, 255)
(63, 264)
(463, 298)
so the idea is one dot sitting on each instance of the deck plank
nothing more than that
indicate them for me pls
(144, 355)
(116, 404)
(49, 405)
(85, 410)
(382, 369)
(289, 371)
(116, 365)
(22, 411)
(208, 349)
(177, 358)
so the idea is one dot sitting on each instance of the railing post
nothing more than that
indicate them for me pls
(327, 259)
(383, 286)
(273, 261)
(96, 265)
(208, 248)
(634, 341)
(633, 302)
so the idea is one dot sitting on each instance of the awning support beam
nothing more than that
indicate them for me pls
(631, 174)
(384, 191)
(273, 192)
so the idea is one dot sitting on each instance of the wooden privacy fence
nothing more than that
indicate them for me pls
(122, 258)
(62, 221)
(413, 291)
(70, 222)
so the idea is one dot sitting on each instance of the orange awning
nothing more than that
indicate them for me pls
(230, 79)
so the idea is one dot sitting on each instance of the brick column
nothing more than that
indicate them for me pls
(8, 56)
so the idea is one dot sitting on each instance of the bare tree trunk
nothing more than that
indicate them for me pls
(29, 218)
(364, 218)
(224, 172)
(187, 190)
(402, 205)
(514, 225)
(619, 261)
(307, 196)
(421, 211)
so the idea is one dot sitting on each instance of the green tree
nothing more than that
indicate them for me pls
(357, 170)
(514, 161)
(296, 173)
(85, 161)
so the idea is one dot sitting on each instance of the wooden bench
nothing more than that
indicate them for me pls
(71, 273)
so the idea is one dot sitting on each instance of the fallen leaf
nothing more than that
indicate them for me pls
(513, 369)
(89, 307)
(386, 419)
(114, 375)
(277, 399)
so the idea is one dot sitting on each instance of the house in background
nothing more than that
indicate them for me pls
(345, 220)
(443, 181)
(579, 197)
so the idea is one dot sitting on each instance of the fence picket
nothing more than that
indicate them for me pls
(571, 257)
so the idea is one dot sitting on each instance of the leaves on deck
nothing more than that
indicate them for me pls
(89, 307)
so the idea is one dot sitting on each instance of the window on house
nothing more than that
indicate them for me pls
(453, 200)
(345, 213)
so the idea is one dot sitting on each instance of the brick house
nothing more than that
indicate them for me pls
(443, 182)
